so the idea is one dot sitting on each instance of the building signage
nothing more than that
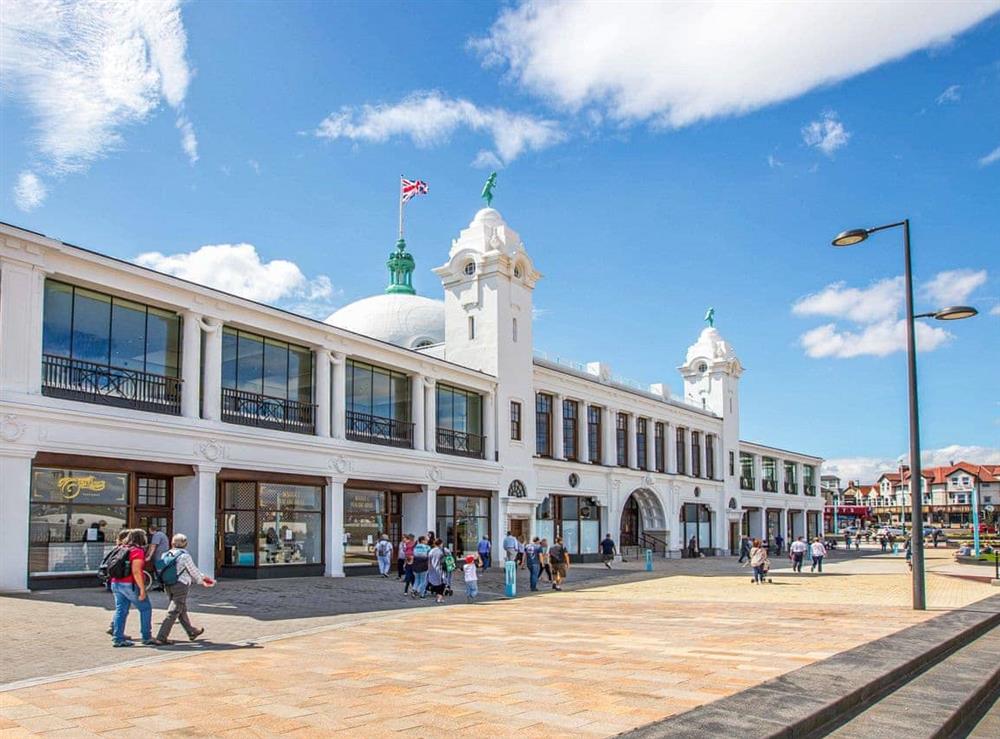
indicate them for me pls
(71, 487)
(79, 487)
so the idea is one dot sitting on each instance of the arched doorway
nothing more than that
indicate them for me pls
(643, 521)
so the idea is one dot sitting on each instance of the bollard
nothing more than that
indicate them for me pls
(649, 560)
(895, 548)
(510, 577)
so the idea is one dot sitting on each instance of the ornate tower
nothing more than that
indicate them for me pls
(401, 266)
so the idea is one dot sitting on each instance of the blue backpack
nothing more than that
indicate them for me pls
(166, 567)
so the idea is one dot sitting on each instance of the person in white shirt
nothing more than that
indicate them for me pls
(797, 551)
(383, 552)
(471, 578)
(818, 552)
(187, 573)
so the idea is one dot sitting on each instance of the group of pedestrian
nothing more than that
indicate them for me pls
(755, 553)
(424, 564)
(169, 564)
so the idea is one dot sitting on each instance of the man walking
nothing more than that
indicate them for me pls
(177, 586)
(559, 560)
(779, 542)
(818, 552)
(744, 549)
(533, 561)
(383, 553)
(608, 551)
(797, 550)
(510, 547)
(158, 545)
(484, 550)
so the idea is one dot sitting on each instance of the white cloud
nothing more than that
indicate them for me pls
(88, 69)
(827, 134)
(953, 286)
(254, 165)
(29, 192)
(867, 469)
(951, 95)
(189, 142)
(878, 302)
(677, 63)
(428, 118)
(239, 270)
(773, 162)
(995, 310)
(875, 339)
(991, 158)
(486, 159)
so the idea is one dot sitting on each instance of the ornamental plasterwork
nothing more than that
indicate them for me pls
(340, 464)
(11, 428)
(210, 449)
(434, 474)
(648, 481)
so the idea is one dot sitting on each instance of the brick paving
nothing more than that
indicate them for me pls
(617, 652)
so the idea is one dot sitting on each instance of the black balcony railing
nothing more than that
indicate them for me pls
(460, 443)
(379, 430)
(90, 382)
(747, 483)
(770, 486)
(264, 411)
(791, 488)
(810, 490)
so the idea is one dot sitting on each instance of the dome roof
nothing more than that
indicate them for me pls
(710, 345)
(409, 321)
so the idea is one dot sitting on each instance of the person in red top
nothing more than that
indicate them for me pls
(131, 590)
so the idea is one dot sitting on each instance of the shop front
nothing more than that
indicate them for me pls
(269, 525)
(696, 530)
(577, 519)
(463, 518)
(79, 504)
(373, 508)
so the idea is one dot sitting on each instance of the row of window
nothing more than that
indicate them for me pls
(769, 472)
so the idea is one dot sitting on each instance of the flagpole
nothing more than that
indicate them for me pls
(401, 207)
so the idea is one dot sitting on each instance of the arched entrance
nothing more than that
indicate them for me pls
(643, 521)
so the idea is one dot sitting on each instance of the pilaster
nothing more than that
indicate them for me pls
(191, 365)
(557, 427)
(321, 357)
(333, 545)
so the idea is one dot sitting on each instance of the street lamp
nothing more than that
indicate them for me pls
(856, 236)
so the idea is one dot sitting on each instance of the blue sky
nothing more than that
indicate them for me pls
(656, 160)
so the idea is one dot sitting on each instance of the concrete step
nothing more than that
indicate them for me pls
(988, 727)
(936, 702)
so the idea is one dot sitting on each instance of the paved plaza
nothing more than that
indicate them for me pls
(615, 651)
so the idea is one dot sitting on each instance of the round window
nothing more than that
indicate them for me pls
(702, 367)
(470, 268)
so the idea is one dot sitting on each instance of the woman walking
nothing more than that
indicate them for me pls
(758, 560)
(421, 552)
(435, 571)
(543, 557)
(130, 590)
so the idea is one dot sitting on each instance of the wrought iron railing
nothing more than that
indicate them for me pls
(75, 379)
(747, 483)
(791, 488)
(770, 486)
(265, 411)
(379, 430)
(460, 443)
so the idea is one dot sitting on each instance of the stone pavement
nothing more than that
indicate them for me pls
(616, 652)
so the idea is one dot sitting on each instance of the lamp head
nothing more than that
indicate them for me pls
(851, 237)
(955, 313)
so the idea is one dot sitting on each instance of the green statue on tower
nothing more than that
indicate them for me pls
(487, 194)
(710, 318)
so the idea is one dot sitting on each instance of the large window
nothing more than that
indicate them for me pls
(271, 524)
(641, 442)
(543, 425)
(577, 520)
(459, 421)
(696, 454)
(747, 481)
(769, 468)
(110, 350)
(594, 441)
(791, 478)
(621, 439)
(681, 448)
(570, 412)
(709, 456)
(378, 405)
(696, 524)
(266, 382)
(809, 479)
(462, 520)
(659, 450)
(515, 420)
(367, 515)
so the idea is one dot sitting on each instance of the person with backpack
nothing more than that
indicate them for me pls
(125, 568)
(176, 570)
(450, 565)
(383, 553)
(102, 571)
(559, 560)
(435, 571)
(420, 554)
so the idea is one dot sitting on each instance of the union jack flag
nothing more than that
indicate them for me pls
(409, 189)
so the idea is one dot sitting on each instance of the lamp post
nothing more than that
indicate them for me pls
(856, 236)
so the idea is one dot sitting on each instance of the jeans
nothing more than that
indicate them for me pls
(408, 577)
(758, 573)
(797, 562)
(127, 594)
(471, 589)
(383, 564)
(176, 611)
(534, 570)
(485, 557)
(817, 564)
(420, 583)
(400, 565)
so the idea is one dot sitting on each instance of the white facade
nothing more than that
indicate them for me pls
(66, 419)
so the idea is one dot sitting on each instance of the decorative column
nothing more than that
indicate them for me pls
(670, 451)
(610, 443)
(333, 554)
(322, 359)
(430, 503)
(195, 514)
(781, 475)
(489, 426)
(582, 434)
(758, 473)
(800, 478)
(191, 365)
(22, 297)
(557, 427)
(650, 445)
(339, 392)
(212, 377)
(15, 477)
(417, 400)
(703, 453)
(632, 442)
(430, 414)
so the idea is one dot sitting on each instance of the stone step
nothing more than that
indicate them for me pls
(937, 701)
(988, 727)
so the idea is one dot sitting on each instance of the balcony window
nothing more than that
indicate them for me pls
(659, 451)
(621, 439)
(641, 441)
(769, 466)
(594, 433)
(681, 452)
(696, 454)
(459, 422)
(570, 411)
(710, 456)
(543, 425)
(378, 405)
(747, 481)
(809, 479)
(791, 478)
(103, 349)
(266, 382)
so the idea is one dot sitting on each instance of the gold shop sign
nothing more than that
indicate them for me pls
(70, 487)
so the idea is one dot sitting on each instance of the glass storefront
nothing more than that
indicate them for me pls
(696, 522)
(270, 524)
(462, 520)
(576, 519)
(367, 515)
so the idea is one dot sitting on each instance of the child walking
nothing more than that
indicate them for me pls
(471, 578)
